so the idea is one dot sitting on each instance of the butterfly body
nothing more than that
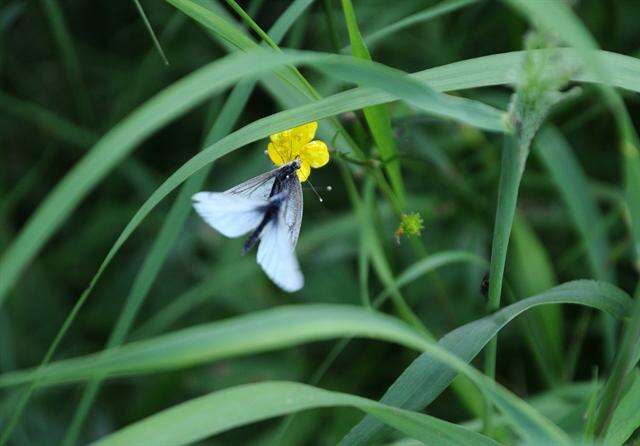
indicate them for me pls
(271, 211)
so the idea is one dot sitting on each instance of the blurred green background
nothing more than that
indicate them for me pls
(71, 70)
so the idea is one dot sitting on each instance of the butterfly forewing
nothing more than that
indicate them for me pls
(257, 187)
(230, 215)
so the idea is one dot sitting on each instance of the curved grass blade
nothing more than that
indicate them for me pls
(377, 254)
(425, 379)
(484, 71)
(278, 328)
(241, 405)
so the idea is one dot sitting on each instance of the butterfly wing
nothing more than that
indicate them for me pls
(276, 255)
(257, 187)
(231, 215)
(292, 207)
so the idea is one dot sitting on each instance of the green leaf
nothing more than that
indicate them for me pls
(277, 328)
(425, 379)
(238, 406)
(377, 117)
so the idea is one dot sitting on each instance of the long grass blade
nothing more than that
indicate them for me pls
(237, 406)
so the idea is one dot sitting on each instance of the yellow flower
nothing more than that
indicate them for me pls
(298, 142)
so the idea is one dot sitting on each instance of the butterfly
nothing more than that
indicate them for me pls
(269, 209)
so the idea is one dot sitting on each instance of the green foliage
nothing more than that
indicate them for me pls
(126, 320)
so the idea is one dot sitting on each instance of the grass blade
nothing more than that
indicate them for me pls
(376, 252)
(237, 406)
(151, 32)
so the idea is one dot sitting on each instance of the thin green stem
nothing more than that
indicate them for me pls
(152, 33)
(514, 156)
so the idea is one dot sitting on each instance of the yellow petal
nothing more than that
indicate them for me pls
(304, 171)
(281, 138)
(303, 134)
(276, 154)
(315, 153)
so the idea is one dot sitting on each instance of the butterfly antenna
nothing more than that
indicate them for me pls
(316, 192)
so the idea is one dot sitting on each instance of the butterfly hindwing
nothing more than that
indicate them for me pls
(292, 207)
(276, 256)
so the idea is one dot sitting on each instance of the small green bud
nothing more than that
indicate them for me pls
(411, 225)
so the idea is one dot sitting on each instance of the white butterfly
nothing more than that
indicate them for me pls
(270, 207)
